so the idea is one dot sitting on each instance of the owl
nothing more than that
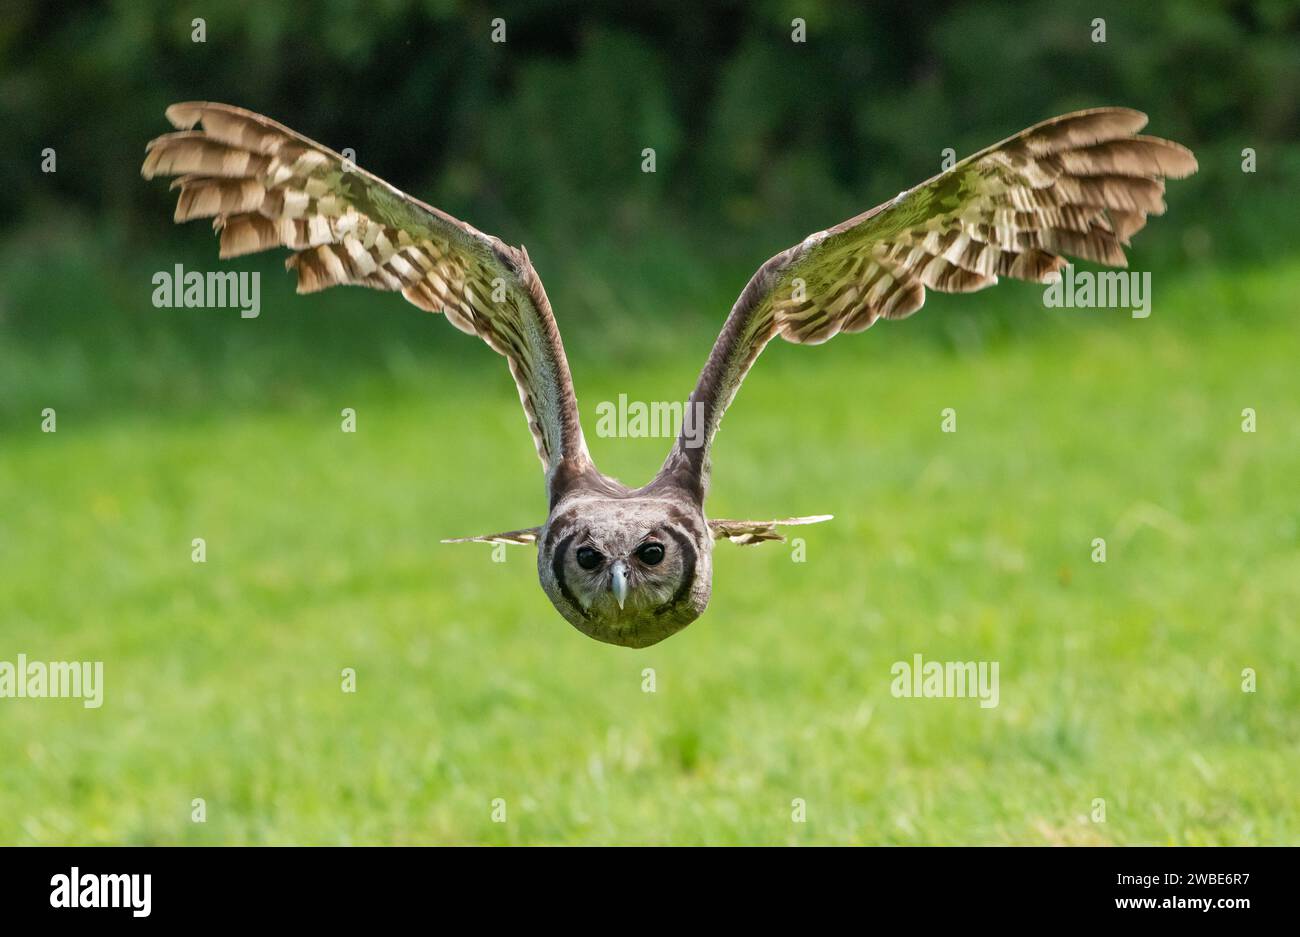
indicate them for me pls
(631, 566)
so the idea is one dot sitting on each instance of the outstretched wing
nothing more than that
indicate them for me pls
(1081, 184)
(265, 186)
(747, 532)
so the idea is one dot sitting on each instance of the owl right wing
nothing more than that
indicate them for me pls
(1079, 184)
(265, 186)
(525, 537)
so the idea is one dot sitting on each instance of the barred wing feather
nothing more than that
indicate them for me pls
(1081, 184)
(265, 186)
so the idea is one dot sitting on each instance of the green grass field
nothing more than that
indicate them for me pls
(1120, 681)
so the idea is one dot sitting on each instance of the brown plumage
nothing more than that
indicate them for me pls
(632, 566)
(265, 186)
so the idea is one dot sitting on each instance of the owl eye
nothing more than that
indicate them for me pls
(589, 558)
(651, 554)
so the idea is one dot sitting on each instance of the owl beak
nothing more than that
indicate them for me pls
(618, 581)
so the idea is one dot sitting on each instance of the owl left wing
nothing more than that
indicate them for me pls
(1080, 184)
(265, 186)
(749, 532)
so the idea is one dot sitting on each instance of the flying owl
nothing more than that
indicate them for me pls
(631, 566)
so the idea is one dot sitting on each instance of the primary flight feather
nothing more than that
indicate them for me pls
(633, 566)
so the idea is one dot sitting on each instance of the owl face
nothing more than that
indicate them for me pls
(627, 571)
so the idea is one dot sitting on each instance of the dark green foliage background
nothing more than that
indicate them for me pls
(759, 140)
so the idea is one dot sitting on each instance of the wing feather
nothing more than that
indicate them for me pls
(523, 537)
(1081, 184)
(750, 532)
(265, 186)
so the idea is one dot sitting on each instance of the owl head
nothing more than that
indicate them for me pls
(628, 571)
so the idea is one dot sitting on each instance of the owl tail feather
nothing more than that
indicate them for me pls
(523, 537)
(749, 532)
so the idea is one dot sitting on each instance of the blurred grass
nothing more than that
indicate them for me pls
(1119, 681)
